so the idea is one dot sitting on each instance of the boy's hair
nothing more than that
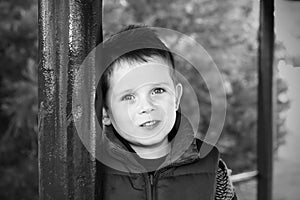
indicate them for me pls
(139, 35)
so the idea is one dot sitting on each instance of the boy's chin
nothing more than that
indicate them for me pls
(150, 142)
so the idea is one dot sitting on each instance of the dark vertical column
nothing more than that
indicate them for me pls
(265, 101)
(68, 30)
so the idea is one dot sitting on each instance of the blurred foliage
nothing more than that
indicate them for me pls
(228, 32)
(18, 97)
(226, 29)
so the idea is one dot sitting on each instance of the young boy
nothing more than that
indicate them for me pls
(151, 145)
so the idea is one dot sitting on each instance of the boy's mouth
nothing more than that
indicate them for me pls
(150, 124)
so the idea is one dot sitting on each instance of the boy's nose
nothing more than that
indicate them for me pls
(145, 105)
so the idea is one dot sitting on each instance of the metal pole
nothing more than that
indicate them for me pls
(265, 101)
(68, 30)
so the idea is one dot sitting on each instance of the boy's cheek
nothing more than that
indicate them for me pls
(123, 115)
(162, 100)
(166, 104)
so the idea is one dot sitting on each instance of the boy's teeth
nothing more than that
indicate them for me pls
(149, 123)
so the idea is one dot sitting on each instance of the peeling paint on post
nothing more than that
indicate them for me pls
(68, 30)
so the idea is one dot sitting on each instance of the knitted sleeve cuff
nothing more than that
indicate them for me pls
(224, 186)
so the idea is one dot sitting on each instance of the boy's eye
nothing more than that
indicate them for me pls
(128, 97)
(158, 91)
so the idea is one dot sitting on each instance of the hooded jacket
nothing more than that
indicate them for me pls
(191, 171)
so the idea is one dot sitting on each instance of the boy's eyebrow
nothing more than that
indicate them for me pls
(125, 91)
(131, 90)
(162, 83)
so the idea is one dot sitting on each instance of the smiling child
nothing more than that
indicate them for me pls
(146, 133)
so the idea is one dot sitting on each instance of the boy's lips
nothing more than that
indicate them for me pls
(150, 124)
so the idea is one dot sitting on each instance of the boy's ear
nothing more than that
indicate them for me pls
(178, 94)
(105, 117)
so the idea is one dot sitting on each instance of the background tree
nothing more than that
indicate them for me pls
(18, 89)
(228, 31)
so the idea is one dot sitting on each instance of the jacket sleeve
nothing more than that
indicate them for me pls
(224, 187)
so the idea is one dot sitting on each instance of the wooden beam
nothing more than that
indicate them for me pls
(68, 30)
(266, 103)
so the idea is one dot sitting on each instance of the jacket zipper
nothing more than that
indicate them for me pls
(151, 177)
(151, 180)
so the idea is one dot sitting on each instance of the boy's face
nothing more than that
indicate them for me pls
(142, 102)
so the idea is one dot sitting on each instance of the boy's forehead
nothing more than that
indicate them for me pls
(134, 63)
(132, 75)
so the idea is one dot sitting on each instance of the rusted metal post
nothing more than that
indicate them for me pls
(265, 101)
(68, 30)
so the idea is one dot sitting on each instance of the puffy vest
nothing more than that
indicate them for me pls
(190, 179)
(185, 175)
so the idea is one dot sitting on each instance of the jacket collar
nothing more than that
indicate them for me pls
(183, 146)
